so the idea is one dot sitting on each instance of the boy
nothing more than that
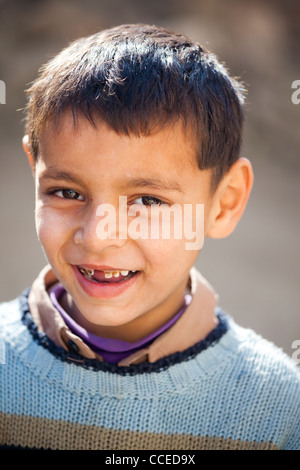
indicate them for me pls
(119, 343)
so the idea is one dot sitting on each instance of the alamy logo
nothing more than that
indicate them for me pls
(2, 352)
(2, 92)
(156, 222)
(296, 354)
(296, 95)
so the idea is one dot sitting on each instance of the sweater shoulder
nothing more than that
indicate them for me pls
(10, 319)
(265, 382)
(14, 335)
(259, 355)
(268, 371)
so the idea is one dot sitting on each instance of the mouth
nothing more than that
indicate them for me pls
(105, 282)
(107, 276)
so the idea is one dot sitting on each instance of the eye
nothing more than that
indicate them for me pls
(148, 201)
(68, 194)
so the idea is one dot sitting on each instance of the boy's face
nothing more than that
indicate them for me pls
(81, 168)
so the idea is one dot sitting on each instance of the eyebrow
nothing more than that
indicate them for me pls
(154, 182)
(141, 182)
(52, 173)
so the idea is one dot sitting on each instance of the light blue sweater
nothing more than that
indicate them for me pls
(233, 391)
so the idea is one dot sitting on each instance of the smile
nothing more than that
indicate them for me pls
(104, 283)
(108, 276)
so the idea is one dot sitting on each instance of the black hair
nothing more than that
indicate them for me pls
(138, 78)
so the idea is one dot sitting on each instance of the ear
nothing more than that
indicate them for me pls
(26, 147)
(230, 199)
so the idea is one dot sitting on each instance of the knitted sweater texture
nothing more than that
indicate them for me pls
(233, 390)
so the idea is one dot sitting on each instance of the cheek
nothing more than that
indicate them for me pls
(50, 230)
(177, 243)
(45, 233)
(168, 255)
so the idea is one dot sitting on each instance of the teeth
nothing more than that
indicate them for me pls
(107, 274)
(89, 272)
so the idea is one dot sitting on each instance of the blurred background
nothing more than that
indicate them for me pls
(256, 270)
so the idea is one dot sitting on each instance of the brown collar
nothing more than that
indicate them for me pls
(193, 326)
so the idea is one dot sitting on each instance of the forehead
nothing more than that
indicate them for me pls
(89, 149)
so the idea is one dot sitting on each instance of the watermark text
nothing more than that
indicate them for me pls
(154, 222)
(2, 92)
(296, 354)
(296, 94)
(2, 352)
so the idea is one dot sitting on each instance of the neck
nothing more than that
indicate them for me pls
(140, 327)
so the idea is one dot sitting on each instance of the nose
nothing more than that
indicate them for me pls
(99, 228)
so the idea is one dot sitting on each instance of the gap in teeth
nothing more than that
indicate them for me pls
(107, 274)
